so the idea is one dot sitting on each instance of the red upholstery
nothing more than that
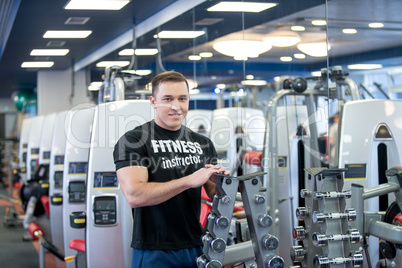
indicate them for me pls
(77, 244)
(32, 228)
(204, 195)
(45, 202)
(253, 158)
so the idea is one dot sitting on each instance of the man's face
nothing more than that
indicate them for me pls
(171, 104)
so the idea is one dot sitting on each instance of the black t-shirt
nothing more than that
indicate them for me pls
(168, 155)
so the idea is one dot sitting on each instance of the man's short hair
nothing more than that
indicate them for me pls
(169, 76)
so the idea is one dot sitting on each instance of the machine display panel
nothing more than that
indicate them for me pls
(104, 210)
(33, 167)
(59, 159)
(46, 155)
(76, 191)
(35, 151)
(58, 179)
(78, 168)
(105, 180)
(25, 145)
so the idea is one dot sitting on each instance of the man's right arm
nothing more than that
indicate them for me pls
(139, 192)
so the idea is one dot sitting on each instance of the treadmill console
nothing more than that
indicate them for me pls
(58, 179)
(76, 192)
(105, 180)
(104, 210)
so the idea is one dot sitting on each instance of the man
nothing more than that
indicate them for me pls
(161, 167)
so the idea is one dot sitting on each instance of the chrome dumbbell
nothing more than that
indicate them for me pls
(203, 262)
(218, 245)
(221, 222)
(297, 253)
(274, 262)
(319, 217)
(319, 195)
(265, 220)
(356, 259)
(270, 242)
(299, 233)
(320, 239)
(301, 213)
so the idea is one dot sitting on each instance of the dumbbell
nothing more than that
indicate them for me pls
(320, 239)
(349, 214)
(356, 259)
(319, 195)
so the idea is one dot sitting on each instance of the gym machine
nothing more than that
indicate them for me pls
(368, 148)
(235, 131)
(199, 121)
(56, 179)
(23, 147)
(108, 216)
(259, 251)
(78, 141)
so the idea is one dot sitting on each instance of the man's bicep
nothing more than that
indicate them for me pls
(129, 176)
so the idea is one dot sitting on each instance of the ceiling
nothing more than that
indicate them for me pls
(24, 23)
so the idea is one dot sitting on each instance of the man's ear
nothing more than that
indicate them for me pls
(152, 100)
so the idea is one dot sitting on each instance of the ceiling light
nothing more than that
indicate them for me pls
(314, 49)
(49, 52)
(179, 34)
(221, 86)
(143, 72)
(319, 22)
(241, 6)
(67, 34)
(299, 56)
(282, 41)
(37, 64)
(286, 58)
(206, 54)
(112, 63)
(194, 91)
(316, 73)
(194, 57)
(364, 66)
(254, 82)
(96, 4)
(376, 25)
(297, 28)
(249, 77)
(139, 52)
(95, 86)
(349, 31)
(242, 49)
(192, 84)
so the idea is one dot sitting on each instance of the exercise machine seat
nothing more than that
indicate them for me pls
(77, 244)
(253, 158)
(45, 202)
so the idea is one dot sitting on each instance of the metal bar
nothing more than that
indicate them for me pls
(238, 253)
(389, 232)
(382, 189)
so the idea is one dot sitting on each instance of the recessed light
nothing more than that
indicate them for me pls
(249, 77)
(319, 22)
(194, 57)
(179, 34)
(376, 25)
(67, 34)
(206, 54)
(349, 31)
(96, 5)
(95, 86)
(37, 64)
(364, 66)
(299, 56)
(139, 52)
(49, 52)
(254, 82)
(76, 20)
(297, 28)
(112, 63)
(286, 58)
(241, 6)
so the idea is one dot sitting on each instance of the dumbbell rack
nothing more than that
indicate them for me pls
(260, 251)
(326, 235)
